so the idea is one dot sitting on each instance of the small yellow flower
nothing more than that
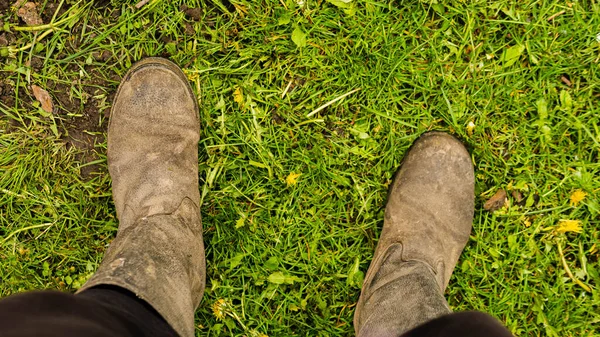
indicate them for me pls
(238, 96)
(576, 197)
(219, 308)
(565, 226)
(190, 75)
(292, 178)
(470, 128)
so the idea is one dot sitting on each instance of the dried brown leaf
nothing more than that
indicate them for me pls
(19, 3)
(496, 201)
(43, 97)
(30, 15)
(566, 80)
(517, 196)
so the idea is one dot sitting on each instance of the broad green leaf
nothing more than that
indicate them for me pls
(565, 100)
(438, 8)
(494, 252)
(276, 278)
(547, 132)
(54, 129)
(512, 243)
(281, 278)
(451, 46)
(580, 274)
(272, 263)
(235, 261)
(350, 11)
(512, 54)
(290, 279)
(284, 18)
(341, 3)
(542, 109)
(466, 265)
(533, 59)
(593, 207)
(299, 37)
(230, 323)
(352, 272)
(240, 222)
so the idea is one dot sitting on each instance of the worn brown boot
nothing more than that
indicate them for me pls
(428, 219)
(153, 135)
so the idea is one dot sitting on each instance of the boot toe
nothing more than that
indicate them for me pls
(158, 90)
(444, 150)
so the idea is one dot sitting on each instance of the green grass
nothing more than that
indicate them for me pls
(419, 65)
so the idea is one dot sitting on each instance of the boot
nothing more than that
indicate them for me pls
(153, 135)
(428, 218)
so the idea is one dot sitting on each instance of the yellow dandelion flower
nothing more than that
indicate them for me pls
(238, 96)
(565, 226)
(190, 75)
(292, 178)
(576, 197)
(470, 128)
(219, 308)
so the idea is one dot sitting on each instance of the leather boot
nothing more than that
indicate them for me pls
(428, 218)
(153, 135)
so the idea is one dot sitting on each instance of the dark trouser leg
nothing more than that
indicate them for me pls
(97, 312)
(462, 324)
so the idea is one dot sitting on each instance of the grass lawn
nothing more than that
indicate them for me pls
(293, 176)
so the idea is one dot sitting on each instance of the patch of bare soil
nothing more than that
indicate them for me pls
(83, 119)
(80, 106)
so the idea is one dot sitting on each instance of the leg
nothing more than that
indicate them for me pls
(158, 253)
(464, 324)
(406, 296)
(154, 271)
(98, 312)
(428, 219)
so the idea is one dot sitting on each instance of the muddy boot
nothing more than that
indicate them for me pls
(428, 219)
(153, 135)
